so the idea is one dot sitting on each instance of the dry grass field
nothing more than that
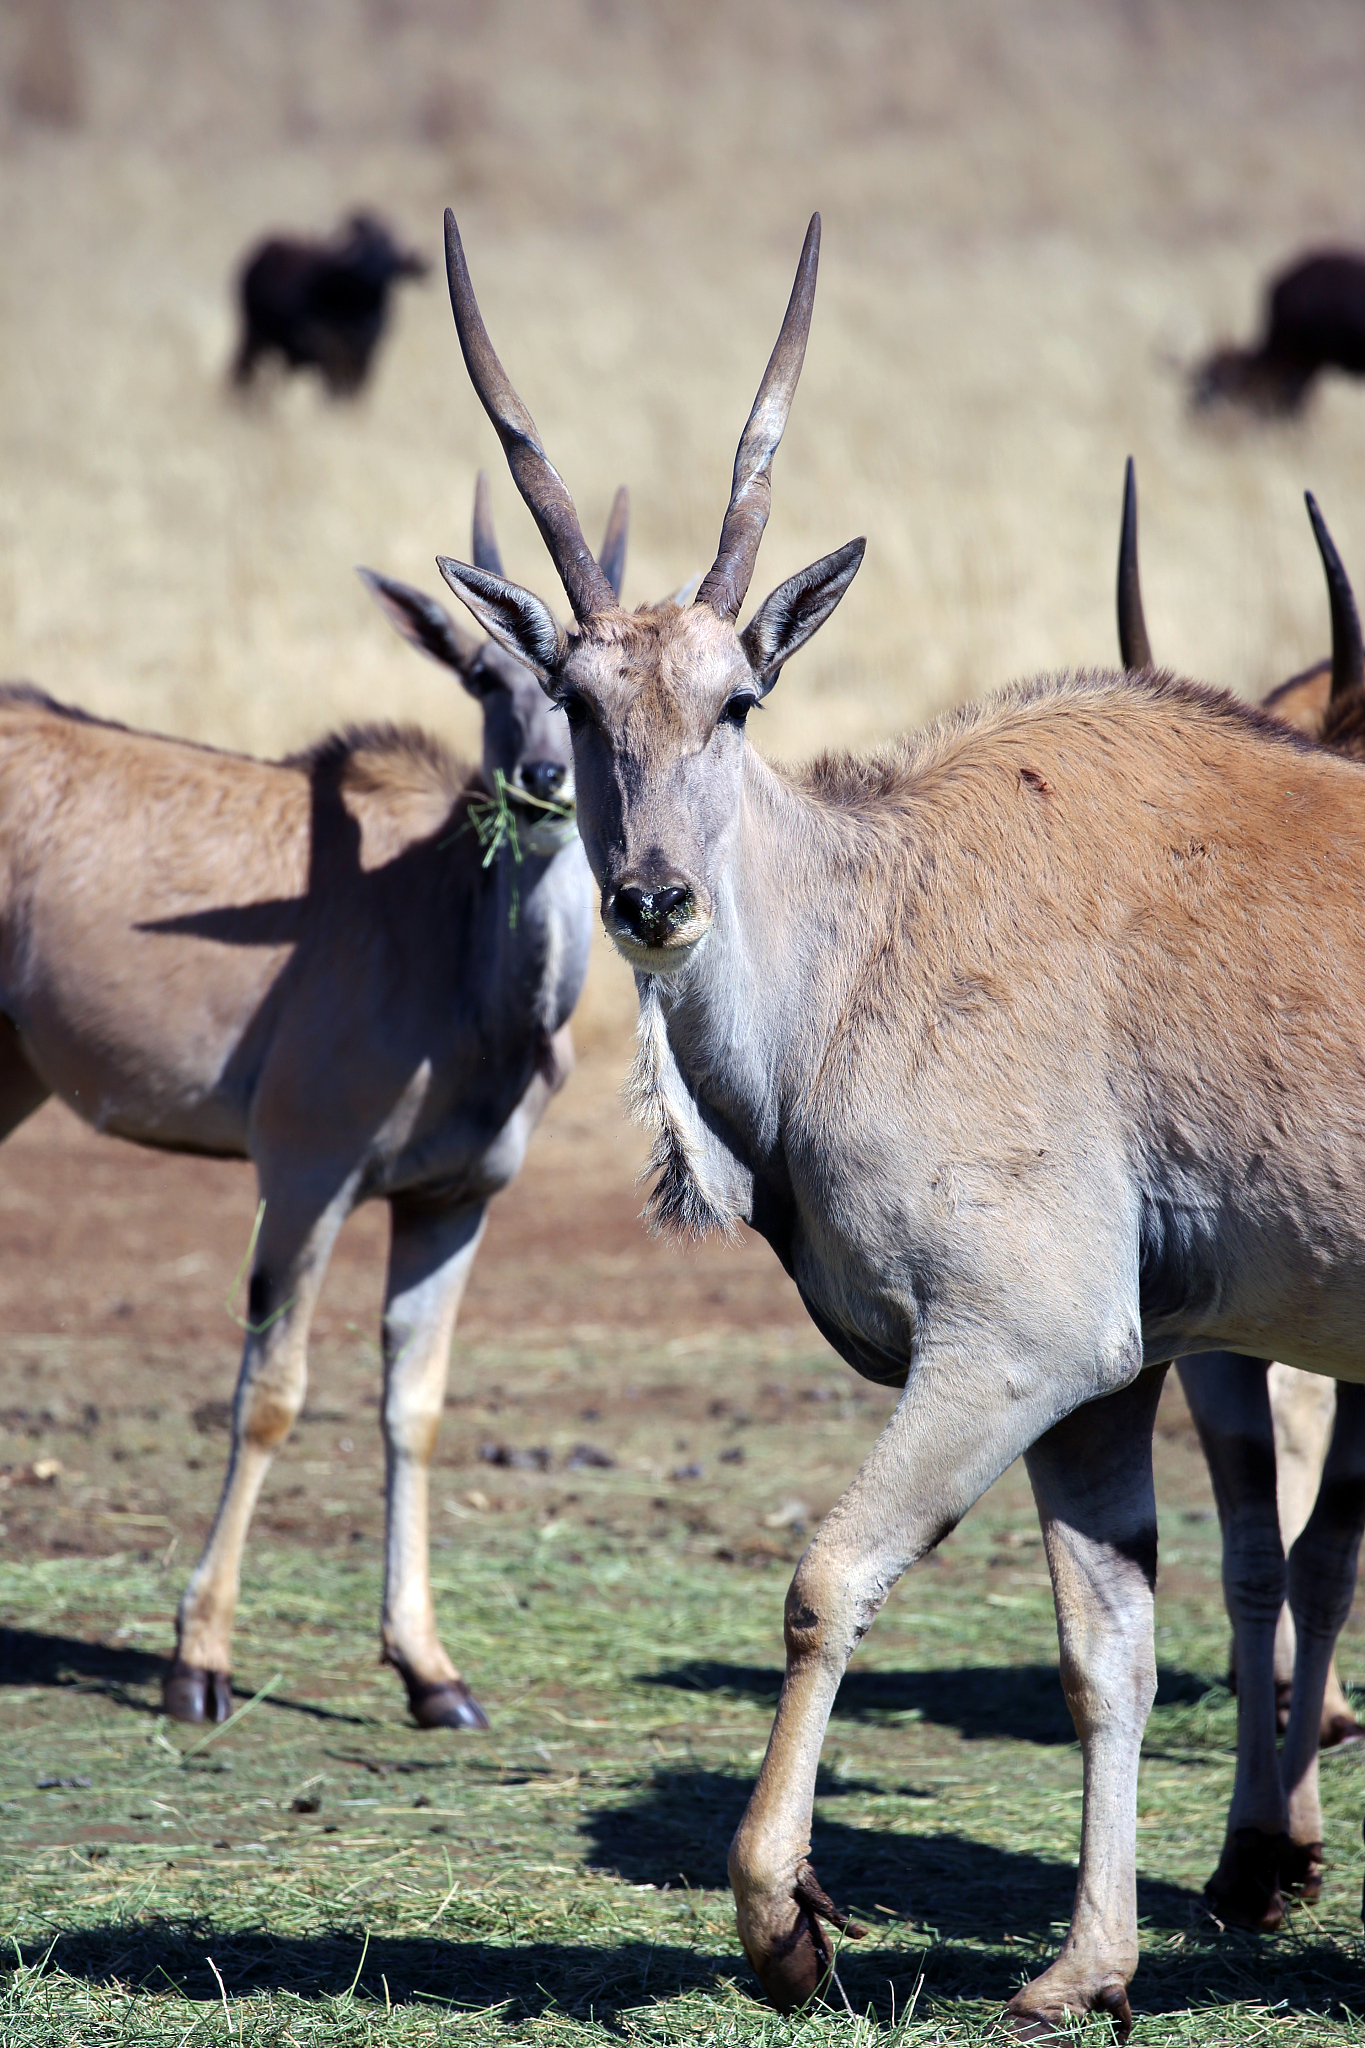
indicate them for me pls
(1035, 219)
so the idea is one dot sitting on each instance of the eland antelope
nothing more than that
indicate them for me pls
(1286, 1451)
(1033, 1044)
(319, 964)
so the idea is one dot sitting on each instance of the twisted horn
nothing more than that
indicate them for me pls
(725, 583)
(487, 553)
(535, 476)
(1135, 649)
(1348, 654)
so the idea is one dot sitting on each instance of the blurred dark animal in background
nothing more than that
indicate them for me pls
(321, 305)
(1315, 320)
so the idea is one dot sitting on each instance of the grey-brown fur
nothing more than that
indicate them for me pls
(1038, 1066)
(314, 964)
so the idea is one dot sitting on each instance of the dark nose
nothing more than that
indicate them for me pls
(542, 778)
(650, 914)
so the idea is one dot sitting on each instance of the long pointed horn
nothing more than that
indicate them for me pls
(534, 474)
(725, 583)
(1348, 654)
(611, 556)
(487, 553)
(1135, 649)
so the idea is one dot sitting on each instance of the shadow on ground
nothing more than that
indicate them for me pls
(1020, 1701)
(28, 1657)
(677, 1833)
(580, 1980)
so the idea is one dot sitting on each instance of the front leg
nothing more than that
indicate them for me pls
(1092, 1481)
(431, 1252)
(963, 1418)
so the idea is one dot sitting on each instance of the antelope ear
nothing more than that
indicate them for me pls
(796, 609)
(422, 622)
(516, 620)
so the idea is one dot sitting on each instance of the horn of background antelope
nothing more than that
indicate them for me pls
(1348, 654)
(1135, 649)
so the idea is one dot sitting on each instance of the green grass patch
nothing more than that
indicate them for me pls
(320, 1872)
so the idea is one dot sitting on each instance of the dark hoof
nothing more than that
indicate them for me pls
(451, 1705)
(1244, 1891)
(1340, 1731)
(1301, 1871)
(1056, 2023)
(190, 1693)
(797, 1968)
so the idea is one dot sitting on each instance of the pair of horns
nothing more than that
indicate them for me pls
(1135, 649)
(586, 583)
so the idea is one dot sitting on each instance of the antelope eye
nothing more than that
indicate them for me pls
(738, 709)
(574, 709)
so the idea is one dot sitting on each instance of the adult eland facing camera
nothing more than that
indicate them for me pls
(1034, 1045)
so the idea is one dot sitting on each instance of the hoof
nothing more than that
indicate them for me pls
(1340, 1731)
(1244, 1891)
(191, 1693)
(1301, 1871)
(795, 1968)
(451, 1705)
(1057, 2023)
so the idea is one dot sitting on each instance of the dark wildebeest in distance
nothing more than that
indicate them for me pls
(1034, 1044)
(321, 305)
(354, 967)
(1314, 320)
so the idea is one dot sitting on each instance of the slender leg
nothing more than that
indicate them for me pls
(1322, 1579)
(1231, 1406)
(1303, 1406)
(431, 1253)
(962, 1419)
(297, 1235)
(1092, 1481)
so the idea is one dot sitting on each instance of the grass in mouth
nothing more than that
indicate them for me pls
(493, 821)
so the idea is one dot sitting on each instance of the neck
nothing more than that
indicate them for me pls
(724, 1045)
(537, 917)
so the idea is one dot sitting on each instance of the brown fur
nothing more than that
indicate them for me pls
(306, 962)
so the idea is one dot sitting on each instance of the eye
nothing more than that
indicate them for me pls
(738, 709)
(574, 709)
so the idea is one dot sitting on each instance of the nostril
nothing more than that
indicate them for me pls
(543, 778)
(649, 913)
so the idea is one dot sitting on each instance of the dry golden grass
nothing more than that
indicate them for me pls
(1031, 215)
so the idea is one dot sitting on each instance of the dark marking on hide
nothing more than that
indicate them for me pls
(258, 1299)
(1140, 1549)
(1033, 779)
(1178, 1280)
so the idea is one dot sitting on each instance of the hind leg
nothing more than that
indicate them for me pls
(21, 1091)
(1303, 1405)
(297, 1234)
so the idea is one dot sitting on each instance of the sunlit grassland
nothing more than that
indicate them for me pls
(321, 1873)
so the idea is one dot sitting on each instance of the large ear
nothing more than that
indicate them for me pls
(423, 622)
(510, 615)
(786, 620)
(611, 556)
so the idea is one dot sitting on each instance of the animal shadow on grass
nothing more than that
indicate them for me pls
(529, 1978)
(28, 1657)
(982, 1919)
(1022, 1702)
